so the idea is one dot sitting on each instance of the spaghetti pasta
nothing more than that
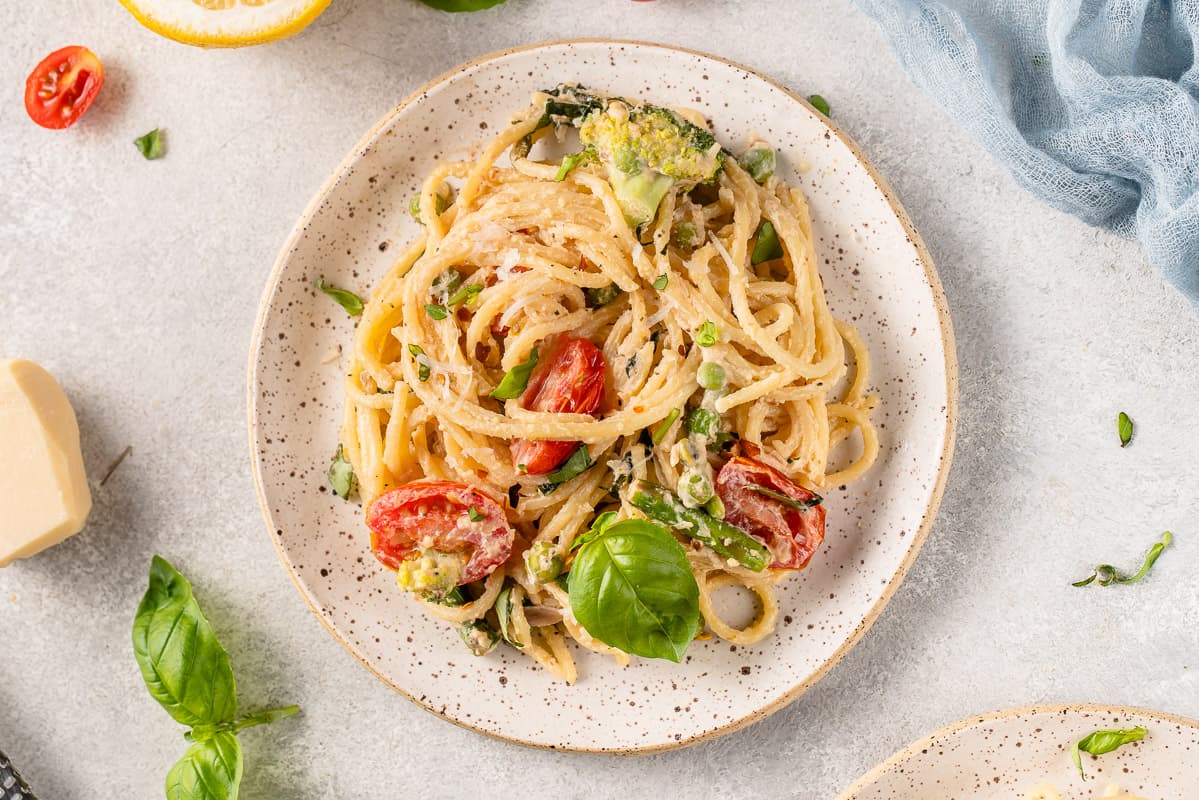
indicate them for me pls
(707, 354)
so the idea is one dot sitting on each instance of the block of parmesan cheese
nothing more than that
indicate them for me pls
(44, 496)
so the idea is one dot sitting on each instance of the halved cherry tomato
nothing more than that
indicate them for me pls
(791, 534)
(570, 382)
(62, 87)
(437, 515)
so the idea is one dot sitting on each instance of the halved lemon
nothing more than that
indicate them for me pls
(225, 23)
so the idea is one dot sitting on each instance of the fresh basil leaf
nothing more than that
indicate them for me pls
(1106, 574)
(662, 282)
(799, 505)
(767, 246)
(563, 581)
(578, 463)
(1124, 428)
(707, 335)
(436, 312)
(184, 666)
(461, 5)
(664, 426)
(341, 475)
(202, 733)
(632, 588)
(1101, 742)
(351, 302)
(466, 295)
(503, 613)
(516, 379)
(209, 770)
(597, 527)
(820, 104)
(151, 146)
(424, 367)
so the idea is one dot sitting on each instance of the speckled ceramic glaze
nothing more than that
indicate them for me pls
(1001, 756)
(877, 275)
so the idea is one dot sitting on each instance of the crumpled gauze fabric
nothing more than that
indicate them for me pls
(1093, 105)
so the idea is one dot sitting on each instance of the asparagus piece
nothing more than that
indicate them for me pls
(723, 538)
(478, 636)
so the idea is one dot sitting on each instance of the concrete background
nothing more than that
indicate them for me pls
(137, 283)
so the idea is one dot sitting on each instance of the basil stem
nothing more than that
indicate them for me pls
(516, 379)
(1101, 742)
(351, 302)
(1106, 574)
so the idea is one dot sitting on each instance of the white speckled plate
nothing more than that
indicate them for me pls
(877, 274)
(1002, 755)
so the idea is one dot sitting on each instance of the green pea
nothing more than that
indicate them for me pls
(710, 376)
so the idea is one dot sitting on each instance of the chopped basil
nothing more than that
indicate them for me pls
(442, 198)
(767, 246)
(351, 302)
(341, 475)
(423, 365)
(1106, 574)
(597, 298)
(436, 312)
(475, 514)
(578, 463)
(151, 146)
(1124, 427)
(1101, 742)
(664, 426)
(799, 505)
(661, 282)
(466, 294)
(820, 104)
(516, 379)
(707, 335)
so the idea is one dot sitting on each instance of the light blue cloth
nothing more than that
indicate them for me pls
(1092, 104)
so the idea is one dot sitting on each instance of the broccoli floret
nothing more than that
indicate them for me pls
(648, 151)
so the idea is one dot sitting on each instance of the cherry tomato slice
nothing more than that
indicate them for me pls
(437, 515)
(571, 382)
(791, 534)
(62, 87)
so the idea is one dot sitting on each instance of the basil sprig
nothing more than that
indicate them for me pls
(351, 302)
(1124, 428)
(1101, 742)
(1106, 574)
(516, 379)
(632, 588)
(188, 672)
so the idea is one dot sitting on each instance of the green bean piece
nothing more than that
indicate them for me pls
(722, 538)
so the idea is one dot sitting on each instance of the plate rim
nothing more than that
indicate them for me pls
(1033, 709)
(944, 320)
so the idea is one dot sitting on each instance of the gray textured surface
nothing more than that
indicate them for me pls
(137, 283)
